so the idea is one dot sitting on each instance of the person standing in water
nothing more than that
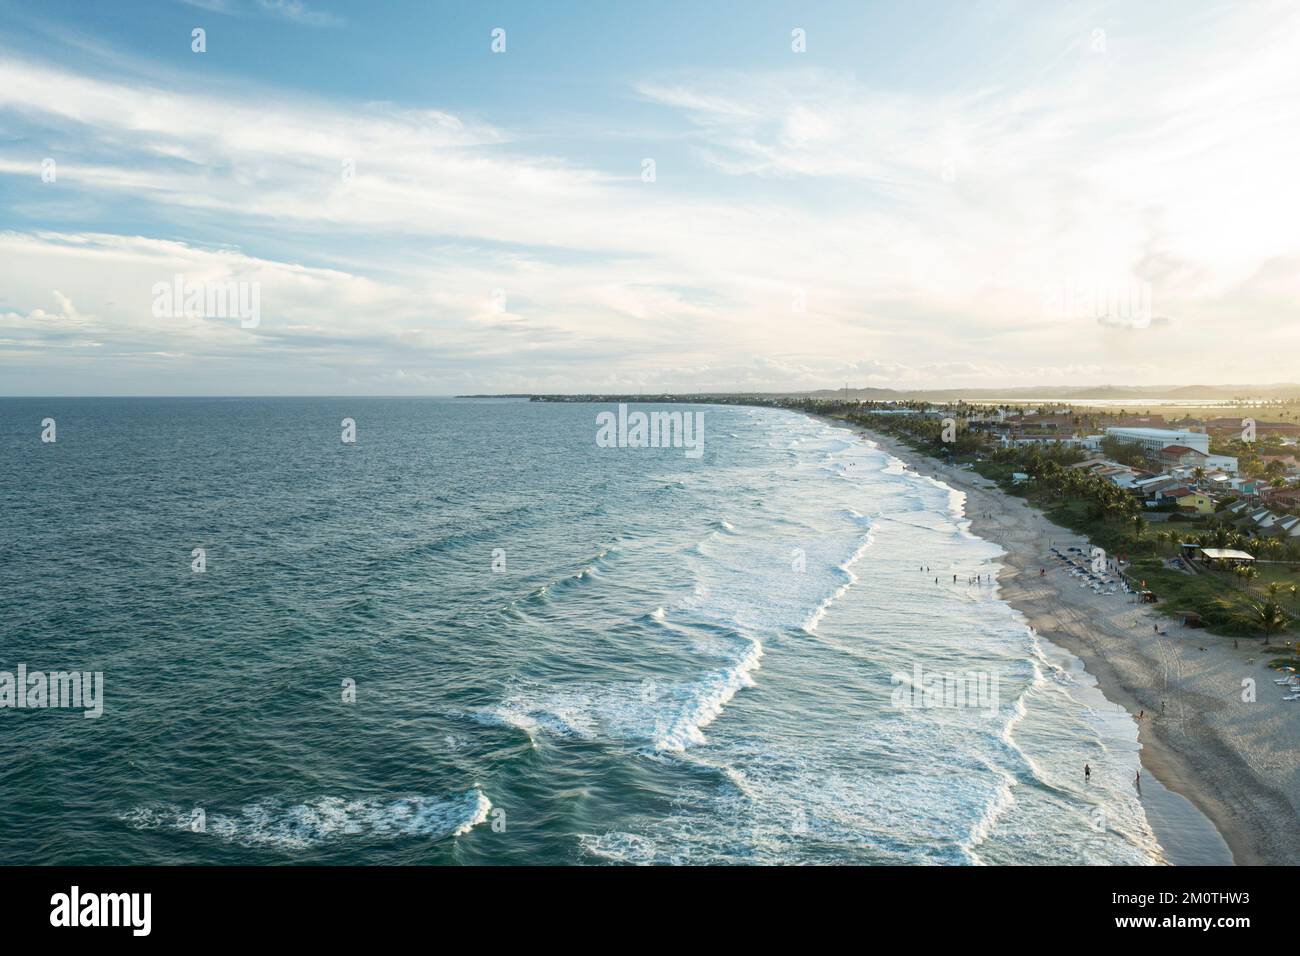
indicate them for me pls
(1087, 772)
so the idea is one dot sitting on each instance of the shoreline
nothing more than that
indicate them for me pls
(1223, 756)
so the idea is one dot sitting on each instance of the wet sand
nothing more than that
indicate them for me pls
(1238, 763)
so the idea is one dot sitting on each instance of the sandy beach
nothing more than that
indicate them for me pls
(1237, 762)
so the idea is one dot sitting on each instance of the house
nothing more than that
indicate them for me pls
(1289, 463)
(1217, 483)
(1153, 487)
(1089, 463)
(1262, 519)
(1288, 526)
(1237, 509)
(1182, 455)
(1226, 463)
(1285, 496)
(1118, 475)
(1247, 486)
(1196, 502)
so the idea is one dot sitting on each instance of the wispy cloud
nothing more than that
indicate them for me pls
(295, 10)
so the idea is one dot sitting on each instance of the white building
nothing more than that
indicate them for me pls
(1154, 439)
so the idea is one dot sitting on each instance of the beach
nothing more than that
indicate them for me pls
(1235, 761)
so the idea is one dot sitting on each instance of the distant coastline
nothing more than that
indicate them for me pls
(1140, 395)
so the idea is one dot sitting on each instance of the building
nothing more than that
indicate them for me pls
(1152, 487)
(1289, 463)
(1247, 486)
(1089, 463)
(1196, 502)
(1283, 497)
(1233, 428)
(1183, 456)
(1288, 527)
(1227, 556)
(1155, 439)
(1141, 421)
(1117, 475)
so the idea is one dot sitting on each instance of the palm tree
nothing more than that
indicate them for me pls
(1139, 526)
(1270, 617)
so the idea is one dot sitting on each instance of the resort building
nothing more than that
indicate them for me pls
(1155, 439)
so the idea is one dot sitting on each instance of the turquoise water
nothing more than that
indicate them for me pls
(683, 660)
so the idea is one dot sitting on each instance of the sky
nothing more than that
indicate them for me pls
(422, 198)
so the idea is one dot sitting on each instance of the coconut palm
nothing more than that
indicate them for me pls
(1270, 618)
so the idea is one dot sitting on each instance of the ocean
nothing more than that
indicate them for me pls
(474, 636)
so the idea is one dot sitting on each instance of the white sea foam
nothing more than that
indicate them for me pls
(668, 716)
(846, 569)
(705, 701)
(325, 819)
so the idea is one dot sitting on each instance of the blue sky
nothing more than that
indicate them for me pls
(929, 194)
